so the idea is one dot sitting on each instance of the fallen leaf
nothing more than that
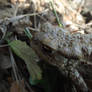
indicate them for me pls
(26, 53)
(15, 87)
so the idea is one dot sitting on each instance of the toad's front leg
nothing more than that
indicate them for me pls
(75, 76)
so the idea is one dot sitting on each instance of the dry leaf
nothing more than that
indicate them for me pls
(15, 87)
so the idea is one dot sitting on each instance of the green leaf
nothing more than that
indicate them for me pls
(26, 53)
(27, 32)
(55, 13)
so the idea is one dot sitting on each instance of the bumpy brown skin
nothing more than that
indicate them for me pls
(70, 45)
(66, 50)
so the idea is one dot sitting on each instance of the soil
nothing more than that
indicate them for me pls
(15, 17)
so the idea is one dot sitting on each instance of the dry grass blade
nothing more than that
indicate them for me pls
(16, 18)
(5, 45)
(13, 66)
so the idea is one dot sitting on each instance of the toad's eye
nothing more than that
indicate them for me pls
(47, 50)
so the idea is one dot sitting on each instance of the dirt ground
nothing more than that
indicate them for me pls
(16, 16)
